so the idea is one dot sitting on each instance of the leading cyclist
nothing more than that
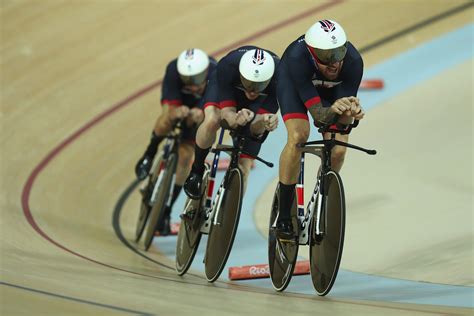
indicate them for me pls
(320, 73)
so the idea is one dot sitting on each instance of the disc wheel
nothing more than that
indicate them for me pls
(189, 234)
(281, 255)
(158, 210)
(326, 248)
(224, 225)
(145, 207)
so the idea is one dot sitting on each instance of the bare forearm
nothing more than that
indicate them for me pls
(322, 115)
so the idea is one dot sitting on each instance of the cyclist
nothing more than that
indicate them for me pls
(242, 92)
(182, 93)
(320, 73)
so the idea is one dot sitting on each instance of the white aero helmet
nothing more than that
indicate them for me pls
(192, 66)
(256, 69)
(326, 40)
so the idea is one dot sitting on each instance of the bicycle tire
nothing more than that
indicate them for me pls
(281, 256)
(326, 249)
(145, 208)
(157, 211)
(142, 217)
(221, 236)
(189, 234)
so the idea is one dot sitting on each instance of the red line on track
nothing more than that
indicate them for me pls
(25, 197)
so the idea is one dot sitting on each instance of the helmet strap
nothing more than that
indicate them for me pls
(313, 57)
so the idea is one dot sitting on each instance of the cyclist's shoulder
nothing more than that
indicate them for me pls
(353, 55)
(171, 73)
(172, 65)
(296, 49)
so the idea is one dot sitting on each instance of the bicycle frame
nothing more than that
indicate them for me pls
(315, 202)
(323, 150)
(171, 145)
(211, 206)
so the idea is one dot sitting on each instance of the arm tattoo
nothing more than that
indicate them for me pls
(321, 115)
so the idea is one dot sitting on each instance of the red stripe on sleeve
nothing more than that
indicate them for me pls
(312, 102)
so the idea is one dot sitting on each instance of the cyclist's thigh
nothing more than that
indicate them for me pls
(245, 164)
(290, 104)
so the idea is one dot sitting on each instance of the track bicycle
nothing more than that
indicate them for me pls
(157, 193)
(218, 217)
(321, 227)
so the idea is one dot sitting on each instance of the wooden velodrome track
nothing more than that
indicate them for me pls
(79, 94)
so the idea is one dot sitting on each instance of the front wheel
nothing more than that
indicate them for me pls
(159, 205)
(189, 233)
(281, 255)
(145, 207)
(224, 225)
(326, 247)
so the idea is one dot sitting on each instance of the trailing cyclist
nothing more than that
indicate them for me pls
(184, 85)
(242, 92)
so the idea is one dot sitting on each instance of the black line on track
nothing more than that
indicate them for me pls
(74, 299)
(118, 231)
(416, 27)
(116, 223)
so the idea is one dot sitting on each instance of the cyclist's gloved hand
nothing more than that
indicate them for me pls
(342, 106)
(243, 117)
(357, 112)
(196, 115)
(181, 112)
(270, 121)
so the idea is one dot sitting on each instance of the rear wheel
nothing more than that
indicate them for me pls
(326, 248)
(158, 210)
(224, 225)
(281, 255)
(189, 233)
